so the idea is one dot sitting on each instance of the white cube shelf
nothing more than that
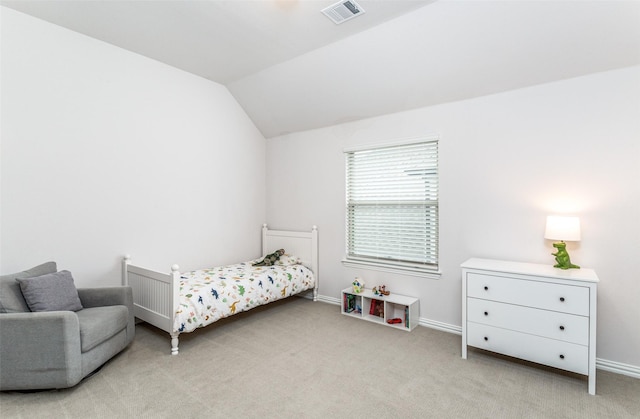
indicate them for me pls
(380, 309)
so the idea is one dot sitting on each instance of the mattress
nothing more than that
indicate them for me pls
(208, 295)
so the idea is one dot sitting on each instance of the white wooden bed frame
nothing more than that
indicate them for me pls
(156, 294)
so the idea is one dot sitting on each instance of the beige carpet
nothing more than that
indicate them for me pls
(303, 359)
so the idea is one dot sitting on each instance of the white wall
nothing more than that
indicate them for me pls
(105, 152)
(506, 161)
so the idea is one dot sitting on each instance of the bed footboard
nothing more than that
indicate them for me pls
(155, 296)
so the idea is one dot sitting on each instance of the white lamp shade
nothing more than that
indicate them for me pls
(562, 228)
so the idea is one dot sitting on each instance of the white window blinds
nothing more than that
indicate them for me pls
(392, 205)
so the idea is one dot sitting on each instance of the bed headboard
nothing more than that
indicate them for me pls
(303, 244)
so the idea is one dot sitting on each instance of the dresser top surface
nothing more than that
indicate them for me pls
(534, 269)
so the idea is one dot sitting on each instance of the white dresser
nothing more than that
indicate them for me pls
(534, 312)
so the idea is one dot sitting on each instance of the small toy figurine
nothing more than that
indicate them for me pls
(270, 259)
(562, 257)
(358, 285)
(380, 290)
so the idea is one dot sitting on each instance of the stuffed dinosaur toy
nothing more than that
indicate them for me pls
(563, 261)
(270, 259)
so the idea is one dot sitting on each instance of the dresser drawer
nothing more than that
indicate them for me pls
(550, 324)
(551, 352)
(549, 296)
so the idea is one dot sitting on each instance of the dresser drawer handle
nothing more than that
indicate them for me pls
(486, 313)
(486, 338)
(562, 299)
(561, 327)
(561, 356)
(486, 288)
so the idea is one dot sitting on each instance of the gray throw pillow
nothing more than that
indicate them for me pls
(51, 292)
(11, 299)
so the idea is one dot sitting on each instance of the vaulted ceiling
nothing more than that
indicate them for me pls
(293, 69)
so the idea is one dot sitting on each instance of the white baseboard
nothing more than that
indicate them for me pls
(618, 367)
(445, 327)
(601, 364)
(330, 300)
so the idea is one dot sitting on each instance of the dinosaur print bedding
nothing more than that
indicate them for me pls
(209, 295)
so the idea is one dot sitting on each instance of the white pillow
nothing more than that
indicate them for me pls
(288, 260)
(285, 260)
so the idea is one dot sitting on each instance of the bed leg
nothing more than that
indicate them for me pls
(315, 294)
(174, 343)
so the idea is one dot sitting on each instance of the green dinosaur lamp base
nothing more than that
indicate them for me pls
(563, 261)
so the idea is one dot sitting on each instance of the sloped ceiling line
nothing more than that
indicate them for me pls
(292, 69)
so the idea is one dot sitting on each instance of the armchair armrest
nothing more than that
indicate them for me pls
(41, 348)
(111, 296)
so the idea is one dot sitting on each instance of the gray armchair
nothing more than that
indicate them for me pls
(57, 349)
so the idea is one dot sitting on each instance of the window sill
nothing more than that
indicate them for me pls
(401, 270)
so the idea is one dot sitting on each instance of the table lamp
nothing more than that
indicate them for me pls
(564, 229)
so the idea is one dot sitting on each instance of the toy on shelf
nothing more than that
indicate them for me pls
(358, 285)
(380, 290)
(377, 308)
(349, 303)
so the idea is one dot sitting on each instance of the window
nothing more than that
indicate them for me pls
(392, 206)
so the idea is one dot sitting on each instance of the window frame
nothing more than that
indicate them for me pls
(388, 265)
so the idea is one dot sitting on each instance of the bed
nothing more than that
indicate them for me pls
(178, 302)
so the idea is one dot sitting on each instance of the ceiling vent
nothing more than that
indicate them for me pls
(343, 11)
